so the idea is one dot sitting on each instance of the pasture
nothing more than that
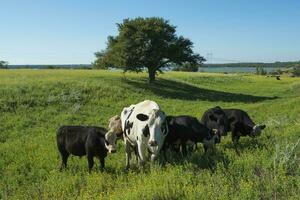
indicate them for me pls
(34, 103)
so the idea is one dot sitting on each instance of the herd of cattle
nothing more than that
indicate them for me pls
(146, 129)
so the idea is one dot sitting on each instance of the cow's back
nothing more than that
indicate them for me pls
(100, 131)
(95, 143)
(239, 116)
(187, 128)
(73, 138)
(146, 107)
(204, 118)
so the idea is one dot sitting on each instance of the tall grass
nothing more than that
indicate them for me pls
(34, 103)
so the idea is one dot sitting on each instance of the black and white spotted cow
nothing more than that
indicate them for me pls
(144, 129)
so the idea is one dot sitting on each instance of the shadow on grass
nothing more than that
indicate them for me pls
(247, 143)
(178, 90)
(199, 159)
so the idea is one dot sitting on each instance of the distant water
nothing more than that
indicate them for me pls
(234, 69)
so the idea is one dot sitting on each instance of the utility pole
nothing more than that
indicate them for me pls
(209, 57)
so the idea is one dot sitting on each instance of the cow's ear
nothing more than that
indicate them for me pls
(142, 117)
(262, 127)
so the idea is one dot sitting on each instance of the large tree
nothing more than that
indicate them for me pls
(146, 43)
(3, 64)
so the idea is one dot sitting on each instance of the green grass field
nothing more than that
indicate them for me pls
(34, 103)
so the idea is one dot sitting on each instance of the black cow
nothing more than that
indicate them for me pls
(187, 129)
(80, 141)
(215, 118)
(240, 124)
(235, 120)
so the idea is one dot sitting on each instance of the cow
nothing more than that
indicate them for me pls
(185, 130)
(240, 124)
(215, 118)
(115, 126)
(85, 140)
(235, 120)
(144, 129)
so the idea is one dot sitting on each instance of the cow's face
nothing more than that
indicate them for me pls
(154, 128)
(115, 125)
(110, 141)
(213, 138)
(256, 130)
(218, 120)
(216, 136)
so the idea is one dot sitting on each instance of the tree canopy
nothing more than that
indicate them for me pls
(296, 69)
(146, 43)
(3, 64)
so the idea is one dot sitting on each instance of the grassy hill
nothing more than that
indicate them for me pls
(34, 103)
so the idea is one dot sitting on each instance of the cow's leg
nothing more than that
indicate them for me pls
(164, 152)
(235, 139)
(191, 147)
(128, 154)
(90, 158)
(175, 147)
(183, 149)
(208, 149)
(64, 156)
(205, 148)
(141, 152)
(102, 163)
(136, 154)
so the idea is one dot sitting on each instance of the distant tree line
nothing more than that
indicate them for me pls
(295, 69)
(187, 67)
(260, 71)
(71, 66)
(255, 65)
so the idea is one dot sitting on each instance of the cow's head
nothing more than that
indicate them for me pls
(111, 141)
(256, 130)
(212, 138)
(215, 118)
(155, 128)
(216, 136)
(115, 125)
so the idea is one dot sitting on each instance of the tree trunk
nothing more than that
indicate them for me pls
(151, 75)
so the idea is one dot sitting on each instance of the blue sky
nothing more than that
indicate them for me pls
(69, 32)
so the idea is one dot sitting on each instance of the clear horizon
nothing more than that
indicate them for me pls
(70, 32)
